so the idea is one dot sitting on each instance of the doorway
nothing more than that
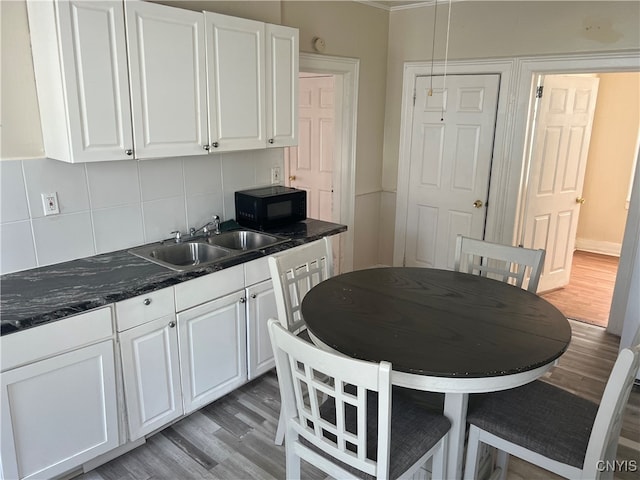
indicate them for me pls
(597, 210)
(345, 74)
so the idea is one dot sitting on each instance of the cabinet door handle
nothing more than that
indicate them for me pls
(215, 144)
(253, 295)
(172, 324)
(242, 299)
(128, 152)
(206, 147)
(271, 141)
(147, 301)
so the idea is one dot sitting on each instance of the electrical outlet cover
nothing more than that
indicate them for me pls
(50, 203)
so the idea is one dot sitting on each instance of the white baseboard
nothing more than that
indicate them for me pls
(596, 246)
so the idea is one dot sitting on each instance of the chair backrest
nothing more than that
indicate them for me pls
(306, 375)
(603, 442)
(501, 262)
(293, 273)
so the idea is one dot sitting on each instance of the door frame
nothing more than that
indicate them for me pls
(346, 74)
(529, 69)
(501, 168)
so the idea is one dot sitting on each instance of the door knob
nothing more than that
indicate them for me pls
(477, 203)
(292, 177)
(580, 200)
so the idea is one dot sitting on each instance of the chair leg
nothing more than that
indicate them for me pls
(280, 430)
(502, 462)
(439, 460)
(471, 465)
(292, 462)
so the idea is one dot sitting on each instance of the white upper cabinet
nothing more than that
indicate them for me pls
(236, 76)
(80, 64)
(119, 80)
(168, 80)
(282, 85)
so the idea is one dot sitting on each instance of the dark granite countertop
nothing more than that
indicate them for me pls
(46, 294)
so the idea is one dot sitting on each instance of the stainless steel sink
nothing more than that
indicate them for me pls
(182, 256)
(245, 240)
(203, 251)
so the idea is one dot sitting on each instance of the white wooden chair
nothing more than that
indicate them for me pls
(501, 262)
(552, 428)
(293, 273)
(361, 430)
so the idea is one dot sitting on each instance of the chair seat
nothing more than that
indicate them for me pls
(414, 431)
(540, 417)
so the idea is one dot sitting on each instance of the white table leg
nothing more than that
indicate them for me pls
(455, 409)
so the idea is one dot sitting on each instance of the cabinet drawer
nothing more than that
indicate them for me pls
(206, 288)
(144, 308)
(56, 337)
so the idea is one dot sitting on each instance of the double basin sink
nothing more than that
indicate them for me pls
(203, 251)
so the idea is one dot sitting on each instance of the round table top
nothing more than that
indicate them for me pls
(436, 322)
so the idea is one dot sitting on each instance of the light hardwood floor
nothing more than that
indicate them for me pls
(588, 296)
(232, 438)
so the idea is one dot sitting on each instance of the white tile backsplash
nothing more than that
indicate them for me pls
(63, 237)
(112, 184)
(69, 180)
(13, 197)
(161, 178)
(202, 208)
(202, 174)
(16, 247)
(118, 228)
(161, 217)
(108, 206)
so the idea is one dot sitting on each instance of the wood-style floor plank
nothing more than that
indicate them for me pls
(588, 295)
(232, 438)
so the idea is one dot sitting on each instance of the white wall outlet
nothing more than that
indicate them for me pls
(275, 175)
(50, 203)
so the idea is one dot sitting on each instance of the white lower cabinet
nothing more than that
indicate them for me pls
(212, 349)
(261, 306)
(151, 375)
(59, 412)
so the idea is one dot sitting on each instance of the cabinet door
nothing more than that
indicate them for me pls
(83, 89)
(213, 352)
(282, 85)
(151, 372)
(58, 413)
(168, 80)
(236, 75)
(261, 305)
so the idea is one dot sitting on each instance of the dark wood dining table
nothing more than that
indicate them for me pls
(442, 331)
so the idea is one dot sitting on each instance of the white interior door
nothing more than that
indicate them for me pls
(559, 159)
(310, 165)
(450, 163)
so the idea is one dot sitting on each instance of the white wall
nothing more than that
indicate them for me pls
(107, 206)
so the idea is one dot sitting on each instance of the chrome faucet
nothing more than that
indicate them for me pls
(216, 224)
(206, 231)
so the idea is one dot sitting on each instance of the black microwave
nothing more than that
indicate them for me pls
(273, 206)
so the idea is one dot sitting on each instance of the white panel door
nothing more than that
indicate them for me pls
(58, 413)
(94, 62)
(261, 305)
(282, 85)
(151, 371)
(450, 156)
(310, 165)
(559, 160)
(168, 80)
(236, 75)
(213, 350)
